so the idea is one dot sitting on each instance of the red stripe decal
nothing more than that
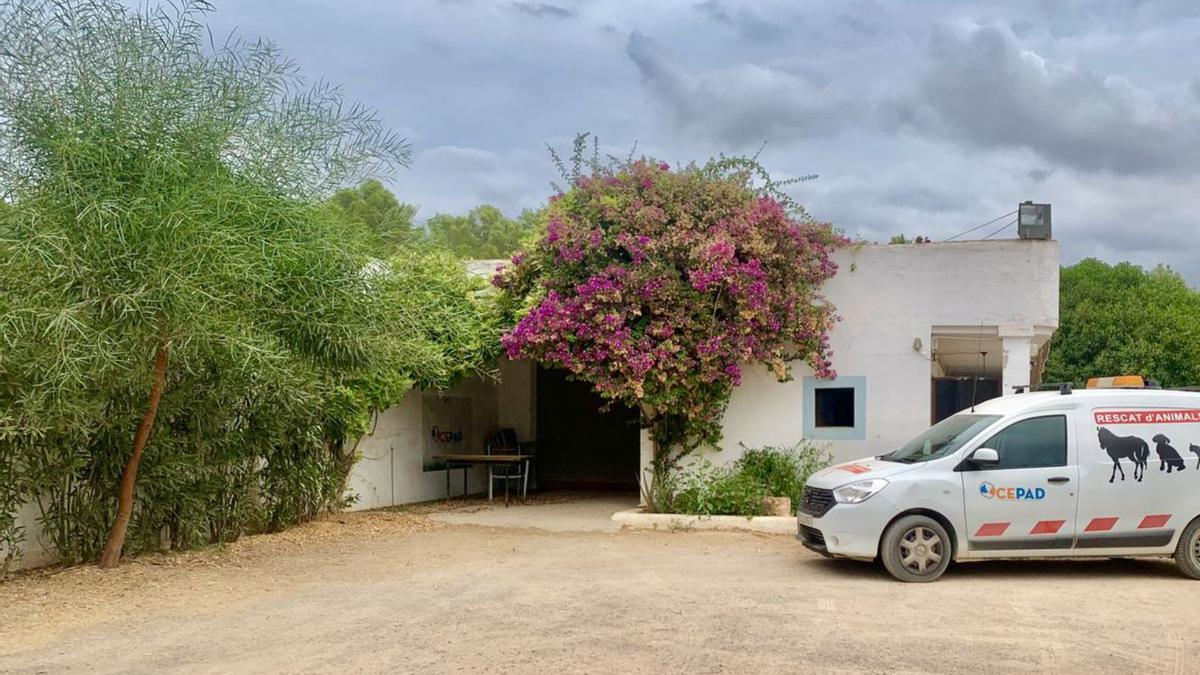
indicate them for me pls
(854, 468)
(1047, 526)
(991, 529)
(1100, 524)
(1153, 521)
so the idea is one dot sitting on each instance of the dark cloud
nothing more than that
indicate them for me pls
(543, 9)
(1022, 28)
(741, 103)
(982, 89)
(923, 118)
(742, 19)
(1039, 175)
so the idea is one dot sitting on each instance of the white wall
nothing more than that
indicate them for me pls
(33, 554)
(888, 295)
(515, 407)
(390, 469)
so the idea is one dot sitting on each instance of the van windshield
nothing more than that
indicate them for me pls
(941, 439)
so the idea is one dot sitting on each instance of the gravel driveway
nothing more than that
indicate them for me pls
(400, 592)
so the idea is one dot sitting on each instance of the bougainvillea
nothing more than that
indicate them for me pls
(658, 287)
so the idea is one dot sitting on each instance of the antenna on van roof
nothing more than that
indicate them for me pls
(982, 365)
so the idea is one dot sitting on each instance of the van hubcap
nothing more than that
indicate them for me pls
(1196, 547)
(921, 550)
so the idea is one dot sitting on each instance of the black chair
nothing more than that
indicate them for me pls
(504, 442)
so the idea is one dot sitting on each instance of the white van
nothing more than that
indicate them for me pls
(1095, 472)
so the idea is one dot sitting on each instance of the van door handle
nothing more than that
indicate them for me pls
(1058, 480)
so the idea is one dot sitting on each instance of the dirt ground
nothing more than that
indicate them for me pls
(400, 592)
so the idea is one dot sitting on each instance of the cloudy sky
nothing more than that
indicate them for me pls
(918, 117)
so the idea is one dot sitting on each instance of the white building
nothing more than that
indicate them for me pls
(926, 328)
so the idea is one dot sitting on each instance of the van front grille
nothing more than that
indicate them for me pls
(816, 502)
(811, 535)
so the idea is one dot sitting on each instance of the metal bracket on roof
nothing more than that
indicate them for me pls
(1063, 388)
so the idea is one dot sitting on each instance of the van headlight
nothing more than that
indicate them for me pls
(859, 492)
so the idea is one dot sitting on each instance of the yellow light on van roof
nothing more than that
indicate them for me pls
(1117, 382)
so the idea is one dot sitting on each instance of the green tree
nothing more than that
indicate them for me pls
(166, 220)
(484, 233)
(1122, 319)
(448, 326)
(387, 222)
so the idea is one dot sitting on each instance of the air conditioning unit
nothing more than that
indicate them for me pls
(1033, 221)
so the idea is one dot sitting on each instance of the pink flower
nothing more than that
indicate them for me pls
(657, 287)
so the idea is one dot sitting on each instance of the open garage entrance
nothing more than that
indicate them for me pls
(972, 364)
(581, 447)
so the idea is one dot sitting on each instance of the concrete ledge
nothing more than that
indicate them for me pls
(636, 519)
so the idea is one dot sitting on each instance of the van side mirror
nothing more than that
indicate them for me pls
(985, 457)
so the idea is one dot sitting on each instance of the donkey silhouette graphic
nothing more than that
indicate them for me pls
(1196, 449)
(1132, 448)
(1168, 457)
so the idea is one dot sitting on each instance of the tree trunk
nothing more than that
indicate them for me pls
(116, 538)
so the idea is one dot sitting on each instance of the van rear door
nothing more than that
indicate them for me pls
(1027, 502)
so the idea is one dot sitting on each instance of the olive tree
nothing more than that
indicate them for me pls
(165, 213)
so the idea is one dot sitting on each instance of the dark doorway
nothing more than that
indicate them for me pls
(952, 394)
(580, 447)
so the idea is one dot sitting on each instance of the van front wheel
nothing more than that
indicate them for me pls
(1187, 551)
(915, 549)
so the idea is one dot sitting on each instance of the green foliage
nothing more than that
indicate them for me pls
(447, 323)
(387, 224)
(783, 471)
(585, 163)
(167, 196)
(739, 488)
(708, 491)
(243, 451)
(1122, 319)
(12, 497)
(484, 233)
(447, 312)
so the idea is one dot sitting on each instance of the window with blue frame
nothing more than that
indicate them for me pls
(835, 410)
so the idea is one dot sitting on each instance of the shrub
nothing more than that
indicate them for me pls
(739, 488)
(190, 333)
(657, 286)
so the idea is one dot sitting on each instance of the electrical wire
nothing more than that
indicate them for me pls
(1001, 228)
(980, 226)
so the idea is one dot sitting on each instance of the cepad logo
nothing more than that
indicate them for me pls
(446, 436)
(990, 491)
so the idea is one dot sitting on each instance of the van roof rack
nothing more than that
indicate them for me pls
(1064, 388)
